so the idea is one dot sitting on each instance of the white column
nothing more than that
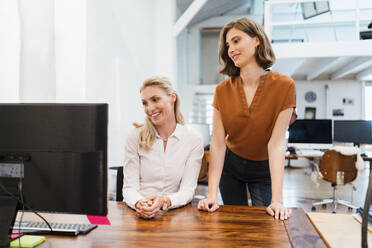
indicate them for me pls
(70, 44)
(10, 51)
(37, 67)
(165, 42)
(357, 21)
(267, 20)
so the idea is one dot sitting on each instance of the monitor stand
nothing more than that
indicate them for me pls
(8, 210)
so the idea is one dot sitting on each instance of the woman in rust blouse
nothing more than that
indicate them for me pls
(252, 111)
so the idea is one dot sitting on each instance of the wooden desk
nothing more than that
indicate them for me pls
(230, 226)
(296, 156)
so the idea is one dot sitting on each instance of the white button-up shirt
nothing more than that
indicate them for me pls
(173, 172)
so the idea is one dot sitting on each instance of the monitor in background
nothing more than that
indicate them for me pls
(63, 149)
(356, 131)
(310, 132)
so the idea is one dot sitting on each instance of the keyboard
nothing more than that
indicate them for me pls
(57, 228)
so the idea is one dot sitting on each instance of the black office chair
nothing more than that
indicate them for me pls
(119, 182)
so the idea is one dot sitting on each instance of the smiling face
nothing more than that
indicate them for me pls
(158, 105)
(241, 47)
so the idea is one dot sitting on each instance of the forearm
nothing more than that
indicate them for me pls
(181, 197)
(217, 157)
(131, 196)
(276, 163)
(189, 180)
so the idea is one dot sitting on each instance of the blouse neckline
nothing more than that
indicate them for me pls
(249, 108)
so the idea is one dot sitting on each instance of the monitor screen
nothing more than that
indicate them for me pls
(311, 131)
(63, 150)
(356, 131)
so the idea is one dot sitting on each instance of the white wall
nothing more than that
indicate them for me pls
(121, 54)
(37, 61)
(70, 50)
(9, 51)
(165, 42)
(209, 56)
(27, 68)
(87, 51)
(320, 104)
(331, 98)
(125, 45)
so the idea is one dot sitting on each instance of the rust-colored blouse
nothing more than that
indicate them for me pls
(249, 128)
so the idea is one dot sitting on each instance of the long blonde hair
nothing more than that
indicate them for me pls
(147, 133)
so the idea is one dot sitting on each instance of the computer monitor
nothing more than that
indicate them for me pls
(356, 131)
(63, 150)
(310, 132)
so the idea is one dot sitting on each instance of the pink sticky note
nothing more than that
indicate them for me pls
(15, 235)
(98, 220)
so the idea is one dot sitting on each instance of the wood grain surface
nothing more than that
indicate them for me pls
(230, 226)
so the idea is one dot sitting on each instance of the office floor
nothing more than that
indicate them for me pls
(300, 191)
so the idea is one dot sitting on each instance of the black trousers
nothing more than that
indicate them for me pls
(240, 175)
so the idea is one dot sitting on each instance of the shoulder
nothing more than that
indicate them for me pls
(191, 134)
(280, 79)
(226, 88)
(227, 83)
(132, 136)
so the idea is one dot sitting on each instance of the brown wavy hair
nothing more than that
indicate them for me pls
(264, 53)
(147, 133)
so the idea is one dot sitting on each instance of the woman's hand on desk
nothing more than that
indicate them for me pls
(208, 204)
(277, 210)
(149, 207)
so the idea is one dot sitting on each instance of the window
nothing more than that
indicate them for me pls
(202, 110)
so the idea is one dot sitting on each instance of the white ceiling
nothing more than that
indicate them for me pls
(305, 61)
(214, 8)
(329, 61)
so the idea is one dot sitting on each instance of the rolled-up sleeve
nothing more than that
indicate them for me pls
(131, 184)
(190, 177)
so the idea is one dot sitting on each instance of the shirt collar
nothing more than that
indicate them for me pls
(177, 133)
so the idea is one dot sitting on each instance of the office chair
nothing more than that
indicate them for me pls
(119, 184)
(203, 174)
(119, 181)
(331, 163)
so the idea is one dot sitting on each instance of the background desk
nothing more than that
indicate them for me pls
(230, 226)
(339, 230)
(296, 156)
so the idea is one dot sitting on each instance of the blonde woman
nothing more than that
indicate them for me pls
(162, 156)
(252, 111)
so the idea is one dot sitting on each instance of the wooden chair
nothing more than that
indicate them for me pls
(331, 163)
(203, 175)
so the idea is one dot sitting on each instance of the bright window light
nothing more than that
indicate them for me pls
(368, 101)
